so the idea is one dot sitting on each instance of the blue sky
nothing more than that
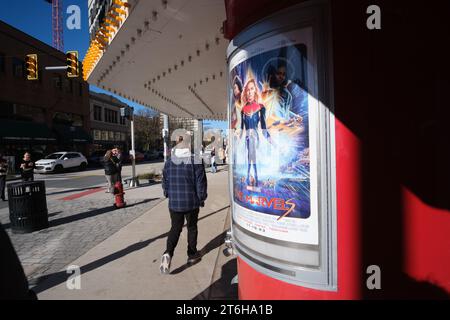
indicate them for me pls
(35, 18)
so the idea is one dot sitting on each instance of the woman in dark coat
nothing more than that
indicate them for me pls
(111, 171)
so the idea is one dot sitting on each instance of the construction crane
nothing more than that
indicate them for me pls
(57, 24)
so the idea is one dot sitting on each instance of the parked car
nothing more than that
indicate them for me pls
(152, 155)
(96, 157)
(126, 157)
(139, 156)
(59, 161)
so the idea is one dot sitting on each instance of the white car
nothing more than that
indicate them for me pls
(58, 161)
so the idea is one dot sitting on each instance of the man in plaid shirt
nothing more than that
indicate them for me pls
(185, 184)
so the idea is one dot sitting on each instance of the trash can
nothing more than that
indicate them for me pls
(27, 206)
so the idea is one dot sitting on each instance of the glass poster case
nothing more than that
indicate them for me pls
(282, 149)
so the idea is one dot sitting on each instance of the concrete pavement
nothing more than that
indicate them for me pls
(79, 219)
(126, 264)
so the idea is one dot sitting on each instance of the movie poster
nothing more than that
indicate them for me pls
(272, 122)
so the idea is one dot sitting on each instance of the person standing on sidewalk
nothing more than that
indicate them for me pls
(27, 168)
(111, 171)
(185, 184)
(226, 155)
(3, 173)
(117, 159)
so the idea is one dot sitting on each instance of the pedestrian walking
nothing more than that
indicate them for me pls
(213, 161)
(3, 173)
(111, 171)
(27, 168)
(222, 155)
(226, 154)
(185, 184)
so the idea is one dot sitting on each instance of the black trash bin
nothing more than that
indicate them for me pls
(27, 206)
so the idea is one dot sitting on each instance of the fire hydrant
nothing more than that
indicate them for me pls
(119, 201)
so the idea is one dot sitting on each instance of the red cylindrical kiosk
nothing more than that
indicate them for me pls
(328, 196)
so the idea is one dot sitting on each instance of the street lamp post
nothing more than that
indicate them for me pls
(165, 134)
(134, 180)
(128, 112)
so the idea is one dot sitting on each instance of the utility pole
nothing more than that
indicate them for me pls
(134, 180)
(198, 138)
(165, 135)
(128, 112)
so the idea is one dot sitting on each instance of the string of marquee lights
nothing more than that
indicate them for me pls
(114, 19)
(191, 88)
(139, 33)
(170, 70)
(182, 62)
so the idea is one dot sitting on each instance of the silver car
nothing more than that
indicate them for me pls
(59, 161)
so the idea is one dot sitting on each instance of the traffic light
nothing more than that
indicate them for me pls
(32, 66)
(72, 64)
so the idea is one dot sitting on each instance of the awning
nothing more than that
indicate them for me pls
(25, 131)
(172, 58)
(72, 135)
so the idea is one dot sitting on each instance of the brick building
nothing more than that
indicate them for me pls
(108, 128)
(42, 116)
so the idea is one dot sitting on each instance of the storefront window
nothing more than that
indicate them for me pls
(97, 135)
(97, 113)
(18, 67)
(2, 62)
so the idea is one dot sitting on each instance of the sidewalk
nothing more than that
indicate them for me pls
(79, 219)
(126, 265)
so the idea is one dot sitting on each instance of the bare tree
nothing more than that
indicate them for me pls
(147, 130)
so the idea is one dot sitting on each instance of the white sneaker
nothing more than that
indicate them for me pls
(164, 268)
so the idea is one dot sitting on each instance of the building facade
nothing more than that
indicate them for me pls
(108, 128)
(41, 116)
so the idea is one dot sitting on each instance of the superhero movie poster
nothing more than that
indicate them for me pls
(271, 117)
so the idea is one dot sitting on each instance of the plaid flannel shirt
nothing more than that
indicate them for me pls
(184, 184)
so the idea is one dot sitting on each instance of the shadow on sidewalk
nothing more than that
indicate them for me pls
(213, 244)
(81, 216)
(74, 190)
(92, 213)
(222, 289)
(54, 279)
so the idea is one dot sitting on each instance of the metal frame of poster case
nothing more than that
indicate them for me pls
(256, 250)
